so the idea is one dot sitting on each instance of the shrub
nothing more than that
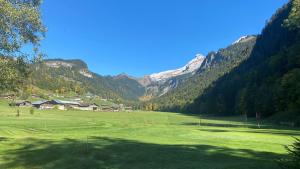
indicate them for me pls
(31, 111)
(292, 161)
(18, 113)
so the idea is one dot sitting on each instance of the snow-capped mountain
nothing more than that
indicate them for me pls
(191, 67)
(158, 84)
(243, 39)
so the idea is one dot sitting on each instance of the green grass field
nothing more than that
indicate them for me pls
(137, 140)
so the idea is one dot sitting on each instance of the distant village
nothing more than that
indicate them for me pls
(75, 104)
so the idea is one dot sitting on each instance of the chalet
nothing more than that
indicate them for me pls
(21, 104)
(43, 104)
(106, 108)
(83, 106)
(59, 104)
(64, 105)
(116, 108)
(128, 108)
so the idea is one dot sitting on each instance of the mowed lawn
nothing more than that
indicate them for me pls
(135, 140)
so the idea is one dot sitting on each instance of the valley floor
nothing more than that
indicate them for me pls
(135, 140)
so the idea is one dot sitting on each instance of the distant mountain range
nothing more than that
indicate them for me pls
(247, 76)
(159, 84)
(59, 75)
(184, 89)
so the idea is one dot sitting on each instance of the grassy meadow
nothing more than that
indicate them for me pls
(53, 139)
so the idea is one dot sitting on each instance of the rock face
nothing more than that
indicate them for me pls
(158, 84)
(65, 73)
(58, 64)
(85, 73)
(77, 64)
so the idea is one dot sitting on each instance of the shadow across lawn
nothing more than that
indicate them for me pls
(214, 124)
(108, 153)
(214, 130)
(3, 139)
(250, 128)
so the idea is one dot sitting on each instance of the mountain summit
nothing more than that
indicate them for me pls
(190, 67)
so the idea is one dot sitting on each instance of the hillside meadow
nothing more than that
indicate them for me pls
(52, 139)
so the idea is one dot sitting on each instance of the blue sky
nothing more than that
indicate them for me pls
(140, 37)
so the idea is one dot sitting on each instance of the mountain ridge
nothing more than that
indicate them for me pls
(154, 85)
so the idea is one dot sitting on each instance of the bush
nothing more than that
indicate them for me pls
(31, 111)
(12, 104)
(292, 161)
(18, 113)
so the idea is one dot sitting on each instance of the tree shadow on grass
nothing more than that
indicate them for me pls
(214, 124)
(291, 133)
(215, 130)
(108, 153)
(3, 139)
(264, 129)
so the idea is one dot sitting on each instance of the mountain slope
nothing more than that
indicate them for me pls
(212, 67)
(62, 76)
(190, 67)
(268, 82)
(159, 84)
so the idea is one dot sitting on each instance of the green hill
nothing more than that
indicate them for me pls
(65, 76)
(268, 82)
(215, 65)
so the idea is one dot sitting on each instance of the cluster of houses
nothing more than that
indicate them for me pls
(66, 105)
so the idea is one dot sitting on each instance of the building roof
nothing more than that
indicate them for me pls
(66, 102)
(39, 102)
(88, 105)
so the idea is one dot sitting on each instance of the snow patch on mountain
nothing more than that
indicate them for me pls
(191, 67)
(243, 39)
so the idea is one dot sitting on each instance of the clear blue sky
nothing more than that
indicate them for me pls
(140, 37)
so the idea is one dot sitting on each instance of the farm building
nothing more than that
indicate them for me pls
(59, 104)
(64, 105)
(91, 107)
(43, 104)
(106, 108)
(21, 103)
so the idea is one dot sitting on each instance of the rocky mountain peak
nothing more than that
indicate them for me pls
(190, 67)
(243, 39)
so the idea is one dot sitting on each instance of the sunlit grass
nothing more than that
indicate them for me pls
(81, 139)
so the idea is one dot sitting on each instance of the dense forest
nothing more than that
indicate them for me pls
(260, 77)
(268, 82)
(214, 66)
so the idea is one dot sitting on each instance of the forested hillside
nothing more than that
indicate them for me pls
(214, 66)
(63, 76)
(268, 82)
